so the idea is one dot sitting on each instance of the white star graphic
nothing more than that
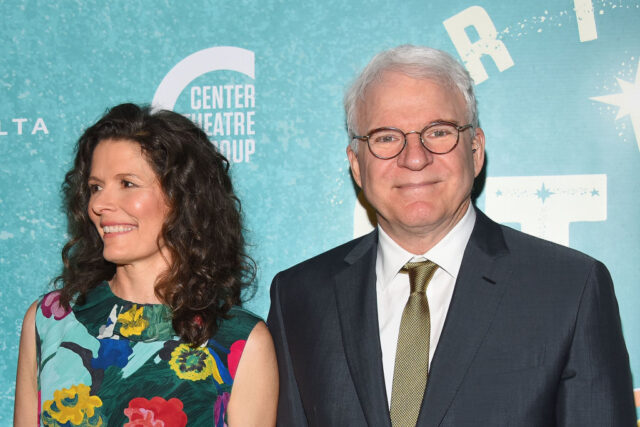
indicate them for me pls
(628, 101)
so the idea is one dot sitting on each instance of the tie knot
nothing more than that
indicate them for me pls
(420, 273)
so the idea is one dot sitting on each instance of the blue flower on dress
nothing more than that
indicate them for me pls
(112, 353)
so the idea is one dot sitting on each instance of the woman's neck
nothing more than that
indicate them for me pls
(136, 283)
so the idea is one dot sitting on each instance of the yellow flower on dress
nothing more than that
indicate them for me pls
(73, 405)
(193, 363)
(132, 322)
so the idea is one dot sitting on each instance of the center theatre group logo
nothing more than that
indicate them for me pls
(225, 112)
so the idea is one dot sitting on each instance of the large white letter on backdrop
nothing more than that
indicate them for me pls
(487, 44)
(202, 62)
(544, 206)
(586, 20)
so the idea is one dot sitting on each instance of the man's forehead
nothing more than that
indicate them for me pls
(391, 76)
(387, 83)
(391, 83)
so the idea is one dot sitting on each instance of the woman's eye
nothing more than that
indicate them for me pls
(127, 184)
(93, 188)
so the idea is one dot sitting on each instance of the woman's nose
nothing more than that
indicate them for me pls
(102, 200)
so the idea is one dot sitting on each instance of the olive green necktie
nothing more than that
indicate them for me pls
(412, 355)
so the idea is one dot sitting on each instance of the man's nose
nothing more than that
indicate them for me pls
(414, 156)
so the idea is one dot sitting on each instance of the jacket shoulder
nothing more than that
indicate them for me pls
(497, 240)
(532, 258)
(520, 242)
(330, 262)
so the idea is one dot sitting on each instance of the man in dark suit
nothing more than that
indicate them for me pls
(511, 330)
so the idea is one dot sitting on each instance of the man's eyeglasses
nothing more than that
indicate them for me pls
(438, 137)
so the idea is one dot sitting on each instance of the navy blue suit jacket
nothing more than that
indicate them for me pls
(532, 338)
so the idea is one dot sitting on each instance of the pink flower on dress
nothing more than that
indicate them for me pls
(156, 412)
(140, 417)
(233, 358)
(51, 306)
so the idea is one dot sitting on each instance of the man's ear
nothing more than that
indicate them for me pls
(477, 146)
(355, 166)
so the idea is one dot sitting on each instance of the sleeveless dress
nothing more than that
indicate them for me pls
(112, 362)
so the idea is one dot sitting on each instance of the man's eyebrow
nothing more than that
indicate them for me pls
(440, 120)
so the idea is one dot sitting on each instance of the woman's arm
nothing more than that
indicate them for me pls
(254, 397)
(26, 404)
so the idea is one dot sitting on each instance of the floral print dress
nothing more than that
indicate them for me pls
(112, 362)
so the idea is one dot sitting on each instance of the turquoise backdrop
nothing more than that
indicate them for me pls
(558, 84)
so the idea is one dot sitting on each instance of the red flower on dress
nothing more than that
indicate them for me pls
(51, 306)
(156, 412)
(233, 358)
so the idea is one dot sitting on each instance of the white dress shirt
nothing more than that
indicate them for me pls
(392, 289)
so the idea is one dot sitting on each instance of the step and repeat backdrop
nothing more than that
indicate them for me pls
(558, 85)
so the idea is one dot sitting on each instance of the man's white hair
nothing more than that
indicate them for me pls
(419, 62)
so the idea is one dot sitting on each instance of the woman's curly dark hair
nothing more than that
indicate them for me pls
(202, 231)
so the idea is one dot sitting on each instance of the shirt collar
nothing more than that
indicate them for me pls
(447, 253)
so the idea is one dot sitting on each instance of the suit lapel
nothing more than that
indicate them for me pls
(355, 291)
(478, 290)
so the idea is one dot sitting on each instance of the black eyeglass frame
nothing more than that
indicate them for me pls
(430, 125)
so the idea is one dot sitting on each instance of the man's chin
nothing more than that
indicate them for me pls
(411, 223)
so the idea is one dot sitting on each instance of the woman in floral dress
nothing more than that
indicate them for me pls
(146, 327)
